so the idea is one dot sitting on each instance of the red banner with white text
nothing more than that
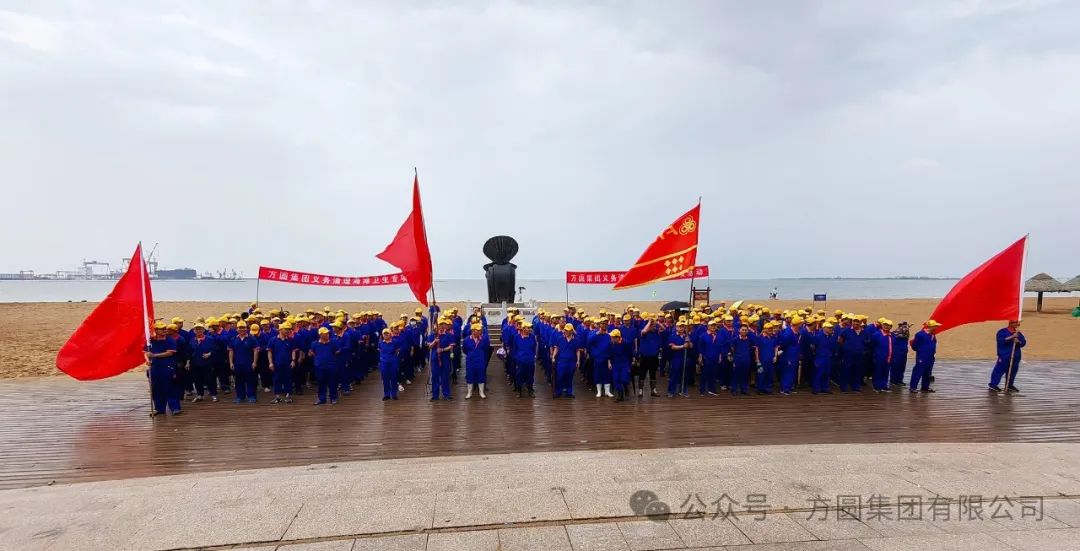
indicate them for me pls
(304, 278)
(609, 278)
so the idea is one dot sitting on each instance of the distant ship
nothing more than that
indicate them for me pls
(178, 273)
(95, 270)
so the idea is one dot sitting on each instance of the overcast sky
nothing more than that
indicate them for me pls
(850, 138)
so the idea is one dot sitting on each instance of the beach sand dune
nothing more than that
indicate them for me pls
(32, 333)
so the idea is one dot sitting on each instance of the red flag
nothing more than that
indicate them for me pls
(993, 291)
(112, 339)
(672, 254)
(409, 250)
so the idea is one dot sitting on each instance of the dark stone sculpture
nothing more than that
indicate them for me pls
(500, 271)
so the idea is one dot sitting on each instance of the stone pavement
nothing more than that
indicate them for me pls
(849, 496)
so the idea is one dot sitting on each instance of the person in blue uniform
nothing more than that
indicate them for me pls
(202, 347)
(619, 364)
(790, 342)
(766, 358)
(566, 355)
(324, 353)
(220, 358)
(853, 348)
(630, 332)
(182, 360)
(679, 360)
(728, 333)
(524, 353)
(598, 346)
(162, 372)
(805, 374)
(242, 351)
(1010, 342)
(282, 356)
(509, 338)
(475, 347)
(457, 329)
(442, 354)
(263, 375)
(884, 349)
(900, 335)
(542, 328)
(925, 346)
(742, 360)
(711, 348)
(408, 334)
(304, 335)
(389, 350)
(648, 353)
(342, 356)
(397, 330)
(825, 344)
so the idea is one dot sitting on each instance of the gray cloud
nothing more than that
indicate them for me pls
(830, 138)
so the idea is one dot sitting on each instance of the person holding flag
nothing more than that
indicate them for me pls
(1009, 343)
(161, 357)
(991, 292)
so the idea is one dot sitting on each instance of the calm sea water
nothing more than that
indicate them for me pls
(475, 290)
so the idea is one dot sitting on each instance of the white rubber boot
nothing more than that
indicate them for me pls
(607, 391)
(468, 393)
(599, 390)
(482, 395)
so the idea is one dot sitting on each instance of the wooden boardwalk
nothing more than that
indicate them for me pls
(60, 430)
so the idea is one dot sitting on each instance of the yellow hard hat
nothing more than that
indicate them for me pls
(324, 331)
(177, 320)
(172, 327)
(568, 327)
(616, 333)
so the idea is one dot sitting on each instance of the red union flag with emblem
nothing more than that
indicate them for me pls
(673, 254)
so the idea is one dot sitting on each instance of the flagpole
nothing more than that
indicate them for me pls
(434, 301)
(1019, 317)
(693, 272)
(143, 282)
(682, 385)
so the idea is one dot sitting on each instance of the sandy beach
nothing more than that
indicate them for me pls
(32, 333)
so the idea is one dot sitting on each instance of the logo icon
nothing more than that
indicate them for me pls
(688, 225)
(647, 503)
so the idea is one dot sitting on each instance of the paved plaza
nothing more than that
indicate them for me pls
(850, 496)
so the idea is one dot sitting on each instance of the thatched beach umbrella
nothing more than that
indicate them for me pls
(1043, 283)
(1073, 284)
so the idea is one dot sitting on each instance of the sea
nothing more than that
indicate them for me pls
(475, 290)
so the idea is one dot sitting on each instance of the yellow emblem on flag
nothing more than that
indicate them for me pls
(688, 225)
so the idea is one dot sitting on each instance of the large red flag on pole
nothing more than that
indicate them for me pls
(991, 292)
(409, 249)
(672, 254)
(112, 339)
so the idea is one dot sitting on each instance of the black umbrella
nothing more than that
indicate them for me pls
(675, 305)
